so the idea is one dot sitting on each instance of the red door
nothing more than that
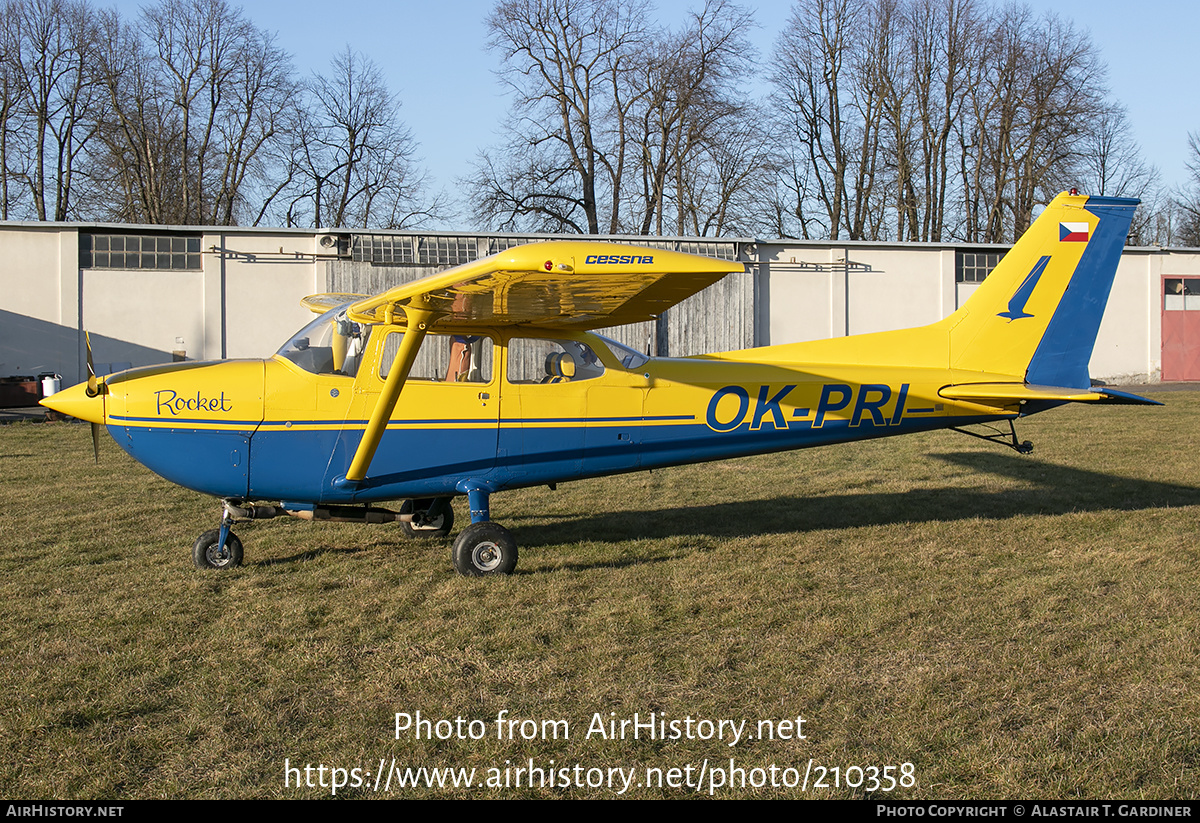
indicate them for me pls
(1181, 328)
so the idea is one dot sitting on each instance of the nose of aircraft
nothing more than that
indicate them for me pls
(76, 403)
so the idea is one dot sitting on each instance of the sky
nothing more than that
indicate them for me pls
(435, 59)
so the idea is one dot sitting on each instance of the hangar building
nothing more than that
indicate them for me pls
(152, 294)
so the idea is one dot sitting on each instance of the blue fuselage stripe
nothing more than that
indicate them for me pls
(302, 463)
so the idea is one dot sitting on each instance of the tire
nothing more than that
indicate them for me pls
(206, 556)
(485, 549)
(436, 527)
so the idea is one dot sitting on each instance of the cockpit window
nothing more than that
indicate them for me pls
(535, 360)
(444, 358)
(331, 344)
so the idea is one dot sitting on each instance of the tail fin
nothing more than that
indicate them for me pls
(1038, 312)
(1027, 331)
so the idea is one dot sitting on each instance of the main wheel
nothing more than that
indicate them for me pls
(207, 555)
(485, 548)
(433, 527)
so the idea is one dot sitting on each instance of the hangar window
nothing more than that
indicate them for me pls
(164, 252)
(383, 249)
(431, 250)
(974, 266)
(445, 251)
(1181, 294)
(495, 245)
(721, 251)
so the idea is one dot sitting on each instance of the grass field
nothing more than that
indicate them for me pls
(1010, 626)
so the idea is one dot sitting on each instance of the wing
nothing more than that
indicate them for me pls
(556, 284)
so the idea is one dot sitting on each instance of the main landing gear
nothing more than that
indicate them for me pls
(482, 548)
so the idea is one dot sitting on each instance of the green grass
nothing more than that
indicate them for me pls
(1012, 626)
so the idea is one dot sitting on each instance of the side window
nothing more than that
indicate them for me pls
(537, 360)
(444, 358)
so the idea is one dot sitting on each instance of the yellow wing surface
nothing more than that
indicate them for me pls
(555, 284)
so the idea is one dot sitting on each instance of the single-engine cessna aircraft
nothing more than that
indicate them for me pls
(487, 377)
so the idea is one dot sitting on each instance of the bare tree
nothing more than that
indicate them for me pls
(51, 45)
(722, 190)
(570, 65)
(686, 107)
(1184, 228)
(880, 99)
(198, 94)
(813, 91)
(1042, 86)
(352, 161)
(13, 99)
(938, 60)
(1111, 162)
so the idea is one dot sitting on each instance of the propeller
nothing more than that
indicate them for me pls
(93, 389)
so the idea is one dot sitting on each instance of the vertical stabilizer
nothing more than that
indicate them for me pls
(1037, 314)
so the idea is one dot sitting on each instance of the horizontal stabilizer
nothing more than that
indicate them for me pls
(1124, 398)
(1008, 393)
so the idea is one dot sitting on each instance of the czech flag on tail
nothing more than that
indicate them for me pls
(1073, 232)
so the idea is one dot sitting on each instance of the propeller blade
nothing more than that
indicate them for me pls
(93, 387)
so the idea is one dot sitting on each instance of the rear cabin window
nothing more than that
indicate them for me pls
(538, 360)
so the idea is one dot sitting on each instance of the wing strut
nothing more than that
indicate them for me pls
(419, 320)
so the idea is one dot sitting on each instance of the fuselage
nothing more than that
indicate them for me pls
(287, 428)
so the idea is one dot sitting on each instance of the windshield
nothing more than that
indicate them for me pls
(628, 357)
(331, 344)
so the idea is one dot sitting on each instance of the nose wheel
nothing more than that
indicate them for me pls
(210, 552)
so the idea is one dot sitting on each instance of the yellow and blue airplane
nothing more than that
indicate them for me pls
(488, 377)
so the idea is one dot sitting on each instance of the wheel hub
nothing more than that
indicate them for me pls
(486, 556)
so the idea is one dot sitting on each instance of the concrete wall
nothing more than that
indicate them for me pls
(39, 300)
(821, 290)
(265, 276)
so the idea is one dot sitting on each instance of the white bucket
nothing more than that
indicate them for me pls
(51, 384)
